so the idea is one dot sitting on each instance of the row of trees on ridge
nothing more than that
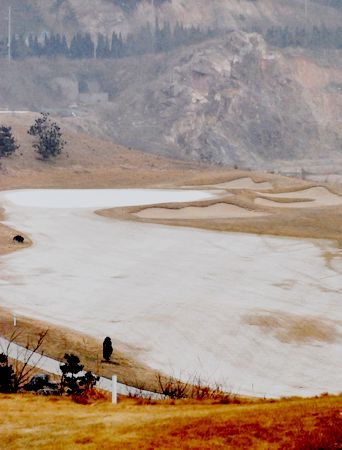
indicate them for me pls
(146, 40)
(316, 37)
(149, 40)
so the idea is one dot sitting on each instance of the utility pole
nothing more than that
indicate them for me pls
(9, 33)
(154, 12)
(154, 28)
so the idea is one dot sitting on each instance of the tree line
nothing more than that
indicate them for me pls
(315, 37)
(147, 39)
(157, 39)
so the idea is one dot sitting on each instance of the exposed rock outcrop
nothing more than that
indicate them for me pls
(229, 101)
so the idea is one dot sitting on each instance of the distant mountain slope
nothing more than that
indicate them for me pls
(66, 16)
(229, 100)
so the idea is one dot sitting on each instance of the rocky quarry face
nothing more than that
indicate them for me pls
(230, 101)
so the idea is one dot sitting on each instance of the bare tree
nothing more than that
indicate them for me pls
(24, 359)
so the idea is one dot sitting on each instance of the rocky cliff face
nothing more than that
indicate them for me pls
(231, 101)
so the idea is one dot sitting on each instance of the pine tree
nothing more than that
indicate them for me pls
(7, 375)
(116, 49)
(36, 48)
(88, 46)
(74, 381)
(102, 48)
(49, 137)
(70, 374)
(7, 142)
(19, 48)
(64, 46)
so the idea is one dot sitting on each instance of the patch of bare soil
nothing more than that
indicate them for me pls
(290, 328)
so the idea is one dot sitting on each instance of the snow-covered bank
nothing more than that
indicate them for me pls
(228, 307)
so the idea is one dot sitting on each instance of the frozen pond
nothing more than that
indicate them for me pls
(99, 198)
(261, 315)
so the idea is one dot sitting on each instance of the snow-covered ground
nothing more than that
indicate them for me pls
(259, 314)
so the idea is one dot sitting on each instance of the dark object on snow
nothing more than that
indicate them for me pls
(18, 238)
(107, 348)
(41, 382)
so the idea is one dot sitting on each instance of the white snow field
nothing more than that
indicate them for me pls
(261, 315)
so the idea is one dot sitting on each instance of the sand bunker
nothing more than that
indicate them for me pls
(243, 183)
(239, 183)
(312, 198)
(217, 211)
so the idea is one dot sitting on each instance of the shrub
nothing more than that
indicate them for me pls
(7, 376)
(74, 381)
(49, 137)
(7, 142)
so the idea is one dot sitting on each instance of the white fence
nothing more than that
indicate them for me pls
(52, 366)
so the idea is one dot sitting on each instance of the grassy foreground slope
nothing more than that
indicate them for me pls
(58, 423)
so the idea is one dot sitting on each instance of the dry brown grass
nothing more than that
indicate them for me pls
(58, 423)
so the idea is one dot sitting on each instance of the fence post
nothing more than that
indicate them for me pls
(114, 390)
(14, 320)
